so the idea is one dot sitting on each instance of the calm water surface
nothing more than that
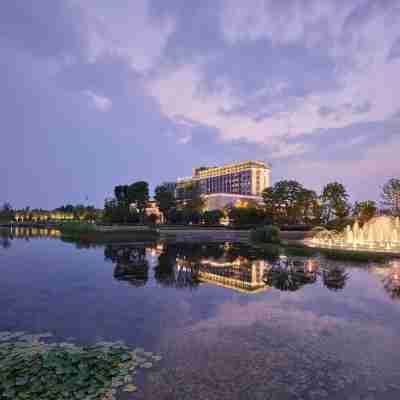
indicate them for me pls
(229, 322)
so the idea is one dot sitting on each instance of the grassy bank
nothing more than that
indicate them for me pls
(84, 232)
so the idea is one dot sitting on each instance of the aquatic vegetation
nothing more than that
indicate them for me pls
(33, 367)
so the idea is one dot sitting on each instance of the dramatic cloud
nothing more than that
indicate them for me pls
(358, 40)
(158, 87)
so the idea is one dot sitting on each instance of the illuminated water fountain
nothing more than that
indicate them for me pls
(379, 234)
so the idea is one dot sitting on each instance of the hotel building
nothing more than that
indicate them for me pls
(231, 184)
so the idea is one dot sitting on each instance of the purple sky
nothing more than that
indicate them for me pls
(97, 93)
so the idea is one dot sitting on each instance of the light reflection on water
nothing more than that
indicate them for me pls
(231, 323)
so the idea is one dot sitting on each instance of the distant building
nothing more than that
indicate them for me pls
(231, 184)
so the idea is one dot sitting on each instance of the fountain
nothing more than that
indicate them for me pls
(380, 234)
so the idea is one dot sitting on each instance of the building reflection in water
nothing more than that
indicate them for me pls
(27, 233)
(8, 235)
(236, 267)
(240, 274)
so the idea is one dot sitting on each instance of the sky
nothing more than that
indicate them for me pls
(96, 93)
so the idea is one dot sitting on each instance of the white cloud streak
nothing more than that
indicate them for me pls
(358, 45)
(125, 30)
(101, 103)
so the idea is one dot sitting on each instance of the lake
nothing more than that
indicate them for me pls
(229, 321)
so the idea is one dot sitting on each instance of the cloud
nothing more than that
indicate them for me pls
(356, 41)
(288, 22)
(311, 89)
(102, 103)
(364, 169)
(125, 31)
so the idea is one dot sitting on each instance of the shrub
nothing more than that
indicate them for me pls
(266, 234)
(72, 227)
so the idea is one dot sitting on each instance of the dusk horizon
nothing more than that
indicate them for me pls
(96, 96)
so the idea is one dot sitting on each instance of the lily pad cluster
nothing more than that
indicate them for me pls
(33, 367)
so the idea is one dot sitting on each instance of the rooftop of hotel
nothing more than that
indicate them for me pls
(199, 172)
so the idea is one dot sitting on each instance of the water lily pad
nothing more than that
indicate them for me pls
(32, 368)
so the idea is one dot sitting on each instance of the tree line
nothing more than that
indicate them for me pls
(287, 202)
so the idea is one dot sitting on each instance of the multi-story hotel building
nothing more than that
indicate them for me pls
(228, 184)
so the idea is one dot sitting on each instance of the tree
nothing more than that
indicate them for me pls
(212, 217)
(245, 216)
(80, 212)
(391, 195)
(121, 193)
(165, 200)
(290, 202)
(114, 212)
(308, 208)
(6, 212)
(68, 208)
(175, 216)
(334, 200)
(138, 193)
(365, 210)
(195, 202)
(193, 205)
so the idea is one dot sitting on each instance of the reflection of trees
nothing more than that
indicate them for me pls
(391, 283)
(5, 239)
(130, 263)
(334, 277)
(290, 275)
(164, 271)
(182, 274)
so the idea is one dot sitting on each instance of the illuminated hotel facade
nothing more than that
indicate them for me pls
(227, 184)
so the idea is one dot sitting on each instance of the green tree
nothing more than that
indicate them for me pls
(80, 212)
(175, 216)
(391, 195)
(289, 201)
(138, 193)
(121, 193)
(365, 210)
(334, 199)
(68, 208)
(309, 208)
(212, 217)
(165, 200)
(114, 212)
(6, 212)
(246, 216)
(194, 202)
